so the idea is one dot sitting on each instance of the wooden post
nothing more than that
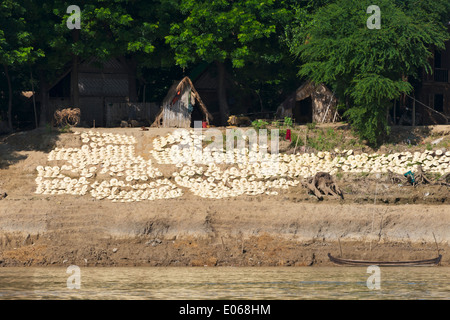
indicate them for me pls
(296, 144)
(335, 115)
(340, 248)
(306, 137)
(435, 241)
(34, 99)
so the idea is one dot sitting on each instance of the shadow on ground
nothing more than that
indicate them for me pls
(13, 145)
(408, 135)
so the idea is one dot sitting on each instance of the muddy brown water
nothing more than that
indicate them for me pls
(225, 283)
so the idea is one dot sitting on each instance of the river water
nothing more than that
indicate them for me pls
(226, 283)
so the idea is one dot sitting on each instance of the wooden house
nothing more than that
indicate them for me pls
(310, 103)
(107, 94)
(430, 101)
(181, 107)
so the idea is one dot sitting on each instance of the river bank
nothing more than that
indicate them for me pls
(216, 233)
(376, 220)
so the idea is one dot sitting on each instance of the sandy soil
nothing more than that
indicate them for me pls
(291, 229)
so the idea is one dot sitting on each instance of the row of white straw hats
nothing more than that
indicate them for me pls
(107, 158)
(207, 172)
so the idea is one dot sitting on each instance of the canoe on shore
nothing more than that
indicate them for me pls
(413, 263)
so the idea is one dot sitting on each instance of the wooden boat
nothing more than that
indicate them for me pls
(413, 263)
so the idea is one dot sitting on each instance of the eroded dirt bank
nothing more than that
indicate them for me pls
(237, 232)
(291, 229)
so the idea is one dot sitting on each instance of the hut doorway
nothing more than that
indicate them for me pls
(196, 115)
(302, 112)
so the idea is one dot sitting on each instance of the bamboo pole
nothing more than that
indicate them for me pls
(335, 115)
(437, 247)
(298, 137)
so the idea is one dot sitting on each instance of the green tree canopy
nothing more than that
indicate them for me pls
(128, 30)
(15, 43)
(365, 66)
(225, 31)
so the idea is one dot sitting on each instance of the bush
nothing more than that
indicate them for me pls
(370, 128)
(288, 122)
(259, 124)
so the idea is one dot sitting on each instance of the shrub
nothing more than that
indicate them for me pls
(259, 124)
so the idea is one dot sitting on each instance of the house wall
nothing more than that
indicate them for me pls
(100, 85)
(433, 84)
(177, 115)
(427, 95)
(324, 105)
(117, 112)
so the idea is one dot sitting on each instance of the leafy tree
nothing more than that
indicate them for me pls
(55, 55)
(229, 32)
(269, 81)
(15, 44)
(131, 31)
(366, 67)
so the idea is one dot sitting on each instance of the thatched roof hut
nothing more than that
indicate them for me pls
(181, 107)
(310, 103)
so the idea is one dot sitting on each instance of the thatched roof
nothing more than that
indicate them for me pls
(309, 88)
(306, 90)
(323, 100)
(180, 87)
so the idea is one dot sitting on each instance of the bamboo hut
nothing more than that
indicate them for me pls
(310, 103)
(181, 107)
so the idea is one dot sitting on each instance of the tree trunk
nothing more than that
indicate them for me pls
(44, 100)
(323, 184)
(75, 92)
(222, 94)
(260, 100)
(5, 67)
